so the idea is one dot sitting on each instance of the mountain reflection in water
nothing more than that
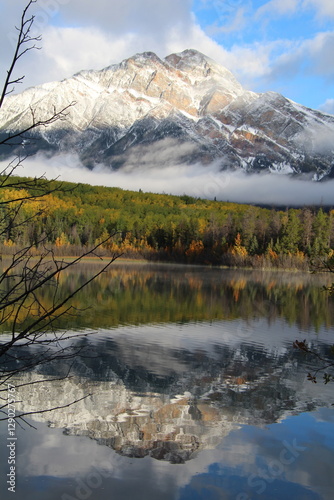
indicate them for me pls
(185, 358)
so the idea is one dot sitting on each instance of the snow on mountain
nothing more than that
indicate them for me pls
(186, 99)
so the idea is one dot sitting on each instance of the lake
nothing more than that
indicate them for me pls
(192, 390)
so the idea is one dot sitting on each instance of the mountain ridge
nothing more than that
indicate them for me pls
(185, 102)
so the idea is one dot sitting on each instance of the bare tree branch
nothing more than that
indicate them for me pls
(28, 413)
(29, 321)
(56, 115)
(328, 377)
(24, 37)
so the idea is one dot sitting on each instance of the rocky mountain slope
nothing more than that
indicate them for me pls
(183, 109)
(172, 410)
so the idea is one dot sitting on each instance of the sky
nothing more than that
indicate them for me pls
(282, 45)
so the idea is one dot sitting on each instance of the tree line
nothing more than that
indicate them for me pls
(164, 227)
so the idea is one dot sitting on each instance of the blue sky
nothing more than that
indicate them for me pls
(297, 36)
(281, 45)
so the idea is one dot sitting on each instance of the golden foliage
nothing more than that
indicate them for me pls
(238, 248)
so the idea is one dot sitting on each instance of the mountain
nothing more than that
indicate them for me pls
(151, 112)
(171, 410)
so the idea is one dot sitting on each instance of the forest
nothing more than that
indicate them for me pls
(72, 218)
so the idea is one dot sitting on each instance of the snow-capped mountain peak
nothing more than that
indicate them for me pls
(186, 98)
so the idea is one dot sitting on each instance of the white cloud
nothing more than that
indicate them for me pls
(237, 22)
(311, 57)
(246, 62)
(67, 50)
(195, 180)
(81, 35)
(280, 7)
(321, 52)
(166, 152)
(327, 106)
(324, 8)
(135, 16)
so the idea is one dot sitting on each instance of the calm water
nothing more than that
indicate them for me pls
(194, 391)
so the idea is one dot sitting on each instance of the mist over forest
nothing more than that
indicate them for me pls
(196, 180)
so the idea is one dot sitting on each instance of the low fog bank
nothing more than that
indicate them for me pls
(196, 180)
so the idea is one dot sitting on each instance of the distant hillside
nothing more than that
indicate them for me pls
(171, 228)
